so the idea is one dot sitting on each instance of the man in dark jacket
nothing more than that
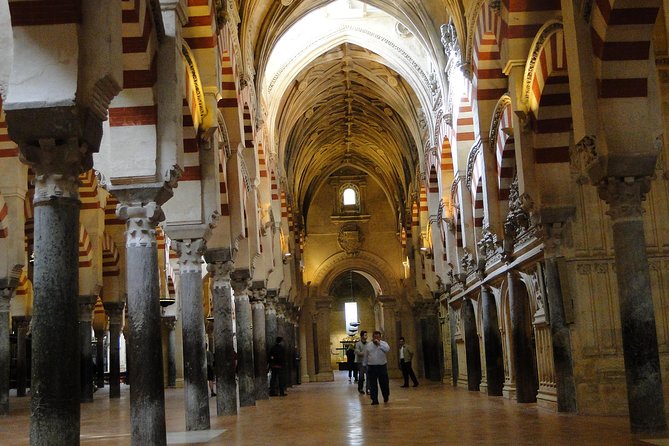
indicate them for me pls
(277, 361)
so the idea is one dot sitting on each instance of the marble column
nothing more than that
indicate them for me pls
(241, 283)
(147, 398)
(642, 365)
(100, 358)
(259, 341)
(55, 378)
(220, 267)
(322, 318)
(560, 333)
(389, 330)
(453, 329)
(521, 341)
(271, 330)
(472, 347)
(196, 398)
(86, 307)
(5, 296)
(22, 324)
(115, 312)
(170, 322)
(492, 343)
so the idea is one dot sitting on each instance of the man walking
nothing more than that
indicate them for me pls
(277, 361)
(377, 367)
(406, 354)
(359, 356)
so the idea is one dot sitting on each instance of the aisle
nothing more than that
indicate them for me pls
(335, 414)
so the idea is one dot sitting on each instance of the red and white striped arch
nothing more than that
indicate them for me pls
(4, 220)
(476, 188)
(546, 93)
(85, 249)
(110, 257)
(191, 161)
(8, 148)
(110, 213)
(621, 32)
(501, 138)
(133, 112)
(88, 190)
(489, 81)
(522, 19)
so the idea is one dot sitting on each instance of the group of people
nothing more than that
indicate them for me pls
(370, 359)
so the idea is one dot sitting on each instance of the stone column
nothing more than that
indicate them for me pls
(220, 267)
(560, 333)
(170, 322)
(521, 341)
(100, 358)
(259, 341)
(637, 317)
(147, 398)
(492, 343)
(5, 296)
(241, 282)
(303, 371)
(322, 318)
(115, 312)
(389, 330)
(86, 307)
(21, 323)
(196, 397)
(271, 330)
(55, 379)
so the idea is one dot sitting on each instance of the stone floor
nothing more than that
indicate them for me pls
(332, 414)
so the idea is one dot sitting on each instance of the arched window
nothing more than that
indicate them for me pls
(349, 197)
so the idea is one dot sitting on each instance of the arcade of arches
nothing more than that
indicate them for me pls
(486, 178)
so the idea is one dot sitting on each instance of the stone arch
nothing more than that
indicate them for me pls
(365, 262)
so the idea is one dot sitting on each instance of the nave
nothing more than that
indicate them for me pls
(335, 414)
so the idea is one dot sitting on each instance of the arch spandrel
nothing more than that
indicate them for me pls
(368, 264)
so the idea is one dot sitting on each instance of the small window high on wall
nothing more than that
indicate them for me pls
(349, 198)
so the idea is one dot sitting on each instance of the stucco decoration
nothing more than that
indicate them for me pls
(350, 239)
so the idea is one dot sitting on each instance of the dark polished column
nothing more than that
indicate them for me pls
(170, 322)
(147, 398)
(86, 307)
(115, 312)
(241, 282)
(560, 334)
(5, 296)
(259, 341)
(642, 364)
(271, 330)
(100, 358)
(521, 339)
(55, 378)
(492, 339)
(220, 267)
(21, 323)
(472, 347)
(196, 397)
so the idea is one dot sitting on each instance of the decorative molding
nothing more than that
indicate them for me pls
(624, 196)
(141, 222)
(542, 37)
(471, 160)
(190, 255)
(195, 74)
(220, 273)
(500, 107)
(583, 156)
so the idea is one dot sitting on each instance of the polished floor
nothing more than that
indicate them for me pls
(333, 414)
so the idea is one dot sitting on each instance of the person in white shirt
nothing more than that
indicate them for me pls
(406, 354)
(376, 362)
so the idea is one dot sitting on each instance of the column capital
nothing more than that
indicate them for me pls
(387, 301)
(624, 196)
(259, 291)
(86, 307)
(141, 222)
(425, 308)
(220, 273)
(169, 322)
(240, 279)
(190, 254)
(553, 224)
(115, 311)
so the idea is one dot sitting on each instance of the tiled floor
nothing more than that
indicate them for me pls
(325, 414)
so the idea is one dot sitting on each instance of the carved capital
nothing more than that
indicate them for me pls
(220, 273)
(190, 254)
(5, 296)
(169, 322)
(582, 156)
(624, 196)
(141, 222)
(240, 279)
(86, 307)
(115, 312)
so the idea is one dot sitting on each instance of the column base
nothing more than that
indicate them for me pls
(547, 399)
(305, 379)
(324, 377)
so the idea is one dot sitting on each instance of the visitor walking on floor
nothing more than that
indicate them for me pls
(406, 354)
(359, 356)
(376, 362)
